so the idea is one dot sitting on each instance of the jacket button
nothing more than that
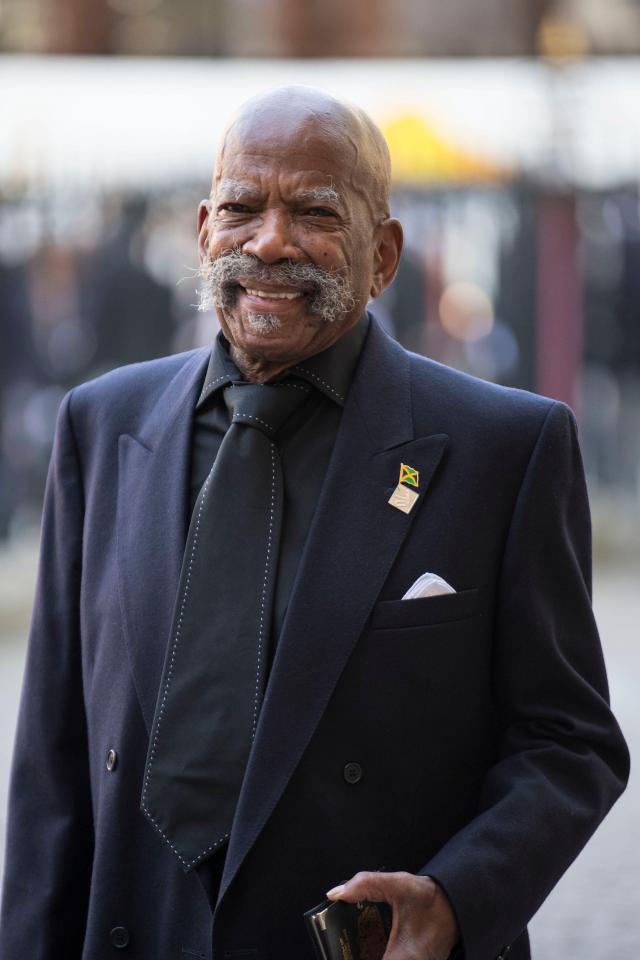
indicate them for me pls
(352, 772)
(119, 937)
(112, 760)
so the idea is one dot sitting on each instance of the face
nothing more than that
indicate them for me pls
(284, 196)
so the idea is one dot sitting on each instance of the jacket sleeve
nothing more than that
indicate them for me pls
(50, 829)
(562, 761)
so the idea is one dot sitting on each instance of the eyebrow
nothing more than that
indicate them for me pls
(244, 189)
(318, 195)
(236, 189)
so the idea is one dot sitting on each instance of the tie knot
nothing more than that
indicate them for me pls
(265, 406)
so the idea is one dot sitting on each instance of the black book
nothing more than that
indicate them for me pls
(349, 931)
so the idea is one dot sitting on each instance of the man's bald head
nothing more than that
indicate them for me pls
(309, 117)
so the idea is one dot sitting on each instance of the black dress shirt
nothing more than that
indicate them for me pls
(304, 444)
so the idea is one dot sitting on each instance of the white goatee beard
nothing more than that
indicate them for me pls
(263, 322)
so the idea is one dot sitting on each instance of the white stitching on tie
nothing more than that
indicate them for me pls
(156, 731)
(324, 383)
(261, 635)
(265, 584)
(249, 416)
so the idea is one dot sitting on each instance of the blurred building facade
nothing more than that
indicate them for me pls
(319, 28)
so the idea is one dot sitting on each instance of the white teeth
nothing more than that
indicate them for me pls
(270, 295)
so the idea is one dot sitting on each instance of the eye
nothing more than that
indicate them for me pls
(319, 212)
(233, 208)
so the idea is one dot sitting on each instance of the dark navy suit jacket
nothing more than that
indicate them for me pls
(479, 720)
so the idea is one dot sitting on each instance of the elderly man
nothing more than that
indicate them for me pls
(312, 612)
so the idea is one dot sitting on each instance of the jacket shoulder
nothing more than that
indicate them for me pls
(126, 395)
(140, 379)
(450, 400)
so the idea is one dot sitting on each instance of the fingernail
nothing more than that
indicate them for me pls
(335, 892)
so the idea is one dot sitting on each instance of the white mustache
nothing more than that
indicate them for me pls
(330, 294)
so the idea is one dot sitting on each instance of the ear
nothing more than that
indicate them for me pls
(387, 254)
(203, 228)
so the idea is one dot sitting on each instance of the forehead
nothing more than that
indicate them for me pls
(312, 151)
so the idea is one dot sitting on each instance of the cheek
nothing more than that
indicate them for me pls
(362, 271)
(224, 238)
(316, 243)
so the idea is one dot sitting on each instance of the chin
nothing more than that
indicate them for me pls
(270, 326)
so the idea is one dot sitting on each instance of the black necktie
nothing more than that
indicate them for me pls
(214, 672)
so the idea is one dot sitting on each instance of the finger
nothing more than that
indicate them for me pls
(366, 885)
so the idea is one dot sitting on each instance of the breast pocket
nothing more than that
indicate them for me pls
(426, 611)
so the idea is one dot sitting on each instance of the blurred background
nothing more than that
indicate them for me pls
(514, 128)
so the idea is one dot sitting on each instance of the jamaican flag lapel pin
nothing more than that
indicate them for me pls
(406, 494)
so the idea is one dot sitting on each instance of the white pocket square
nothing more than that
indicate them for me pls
(428, 585)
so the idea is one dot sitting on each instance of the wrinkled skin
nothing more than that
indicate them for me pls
(299, 178)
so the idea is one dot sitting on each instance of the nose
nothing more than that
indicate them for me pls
(272, 239)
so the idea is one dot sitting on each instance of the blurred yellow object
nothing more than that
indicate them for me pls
(421, 154)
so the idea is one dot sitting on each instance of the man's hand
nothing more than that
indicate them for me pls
(424, 925)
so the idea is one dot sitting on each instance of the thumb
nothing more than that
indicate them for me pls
(366, 885)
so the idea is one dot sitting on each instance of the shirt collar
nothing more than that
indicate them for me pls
(330, 372)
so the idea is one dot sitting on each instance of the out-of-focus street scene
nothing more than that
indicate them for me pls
(514, 131)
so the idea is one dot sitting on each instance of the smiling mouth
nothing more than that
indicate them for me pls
(272, 294)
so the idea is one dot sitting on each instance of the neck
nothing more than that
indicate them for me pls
(257, 370)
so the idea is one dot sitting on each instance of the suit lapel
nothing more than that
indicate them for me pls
(152, 522)
(352, 545)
